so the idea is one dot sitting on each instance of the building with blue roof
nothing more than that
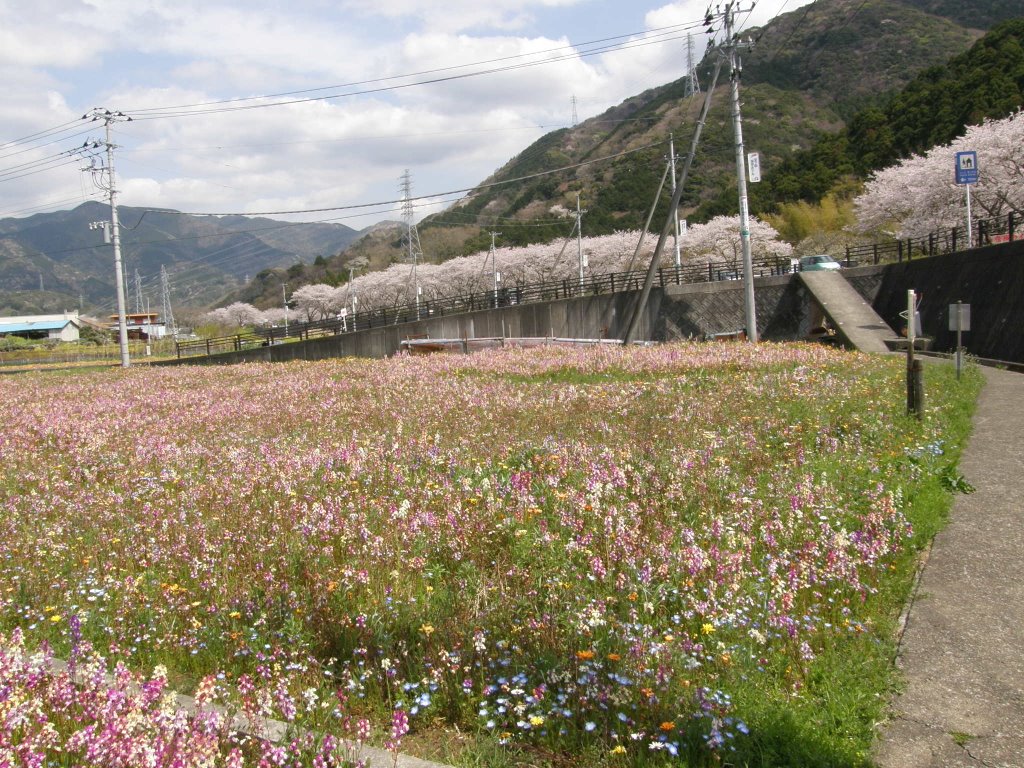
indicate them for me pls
(63, 327)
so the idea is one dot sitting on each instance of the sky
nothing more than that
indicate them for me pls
(315, 108)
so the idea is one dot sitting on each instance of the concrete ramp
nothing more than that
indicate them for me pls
(853, 318)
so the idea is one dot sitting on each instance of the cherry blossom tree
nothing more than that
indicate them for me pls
(236, 315)
(318, 301)
(919, 195)
(718, 241)
(275, 316)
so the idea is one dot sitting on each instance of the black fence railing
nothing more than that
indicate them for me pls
(504, 297)
(983, 232)
(1000, 229)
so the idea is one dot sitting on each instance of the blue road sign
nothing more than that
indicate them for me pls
(966, 167)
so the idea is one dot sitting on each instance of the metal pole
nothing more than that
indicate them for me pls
(750, 311)
(115, 234)
(915, 389)
(959, 337)
(970, 228)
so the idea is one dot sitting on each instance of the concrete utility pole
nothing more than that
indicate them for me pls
(675, 211)
(352, 295)
(736, 69)
(579, 238)
(108, 119)
(494, 267)
(645, 292)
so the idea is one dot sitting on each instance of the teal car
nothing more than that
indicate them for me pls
(818, 262)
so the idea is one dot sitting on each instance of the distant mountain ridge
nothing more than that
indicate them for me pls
(54, 261)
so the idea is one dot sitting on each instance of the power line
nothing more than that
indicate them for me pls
(650, 37)
(43, 207)
(70, 126)
(439, 194)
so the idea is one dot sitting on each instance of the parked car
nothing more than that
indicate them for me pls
(818, 262)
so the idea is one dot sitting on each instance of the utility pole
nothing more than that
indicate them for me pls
(675, 210)
(284, 300)
(579, 238)
(652, 268)
(494, 267)
(736, 69)
(108, 119)
(352, 294)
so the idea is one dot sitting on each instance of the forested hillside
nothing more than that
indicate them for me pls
(986, 81)
(830, 92)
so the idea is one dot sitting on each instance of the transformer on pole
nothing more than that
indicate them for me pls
(106, 180)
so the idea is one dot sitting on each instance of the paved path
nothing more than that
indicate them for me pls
(962, 654)
(855, 320)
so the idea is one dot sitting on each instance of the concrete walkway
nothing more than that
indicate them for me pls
(962, 654)
(855, 320)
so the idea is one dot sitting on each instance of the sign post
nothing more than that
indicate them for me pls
(959, 321)
(966, 175)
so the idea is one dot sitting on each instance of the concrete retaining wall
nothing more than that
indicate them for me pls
(991, 279)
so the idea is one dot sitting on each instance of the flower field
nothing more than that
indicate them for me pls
(638, 556)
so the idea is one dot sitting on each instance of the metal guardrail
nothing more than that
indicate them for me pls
(1000, 229)
(528, 293)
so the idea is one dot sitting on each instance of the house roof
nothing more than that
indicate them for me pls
(44, 325)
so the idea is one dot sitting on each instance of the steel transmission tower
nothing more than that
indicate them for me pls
(692, 84)
(575, 116)
(165, 295)
(412, 237)
(138, 292)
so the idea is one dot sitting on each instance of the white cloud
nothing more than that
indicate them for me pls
(458, 15)
(59, 58)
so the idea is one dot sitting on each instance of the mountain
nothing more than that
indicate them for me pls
(809, 74)
(54, 261)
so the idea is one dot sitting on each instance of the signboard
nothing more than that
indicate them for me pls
(966, 167)
(959, 317)
(754, 166)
